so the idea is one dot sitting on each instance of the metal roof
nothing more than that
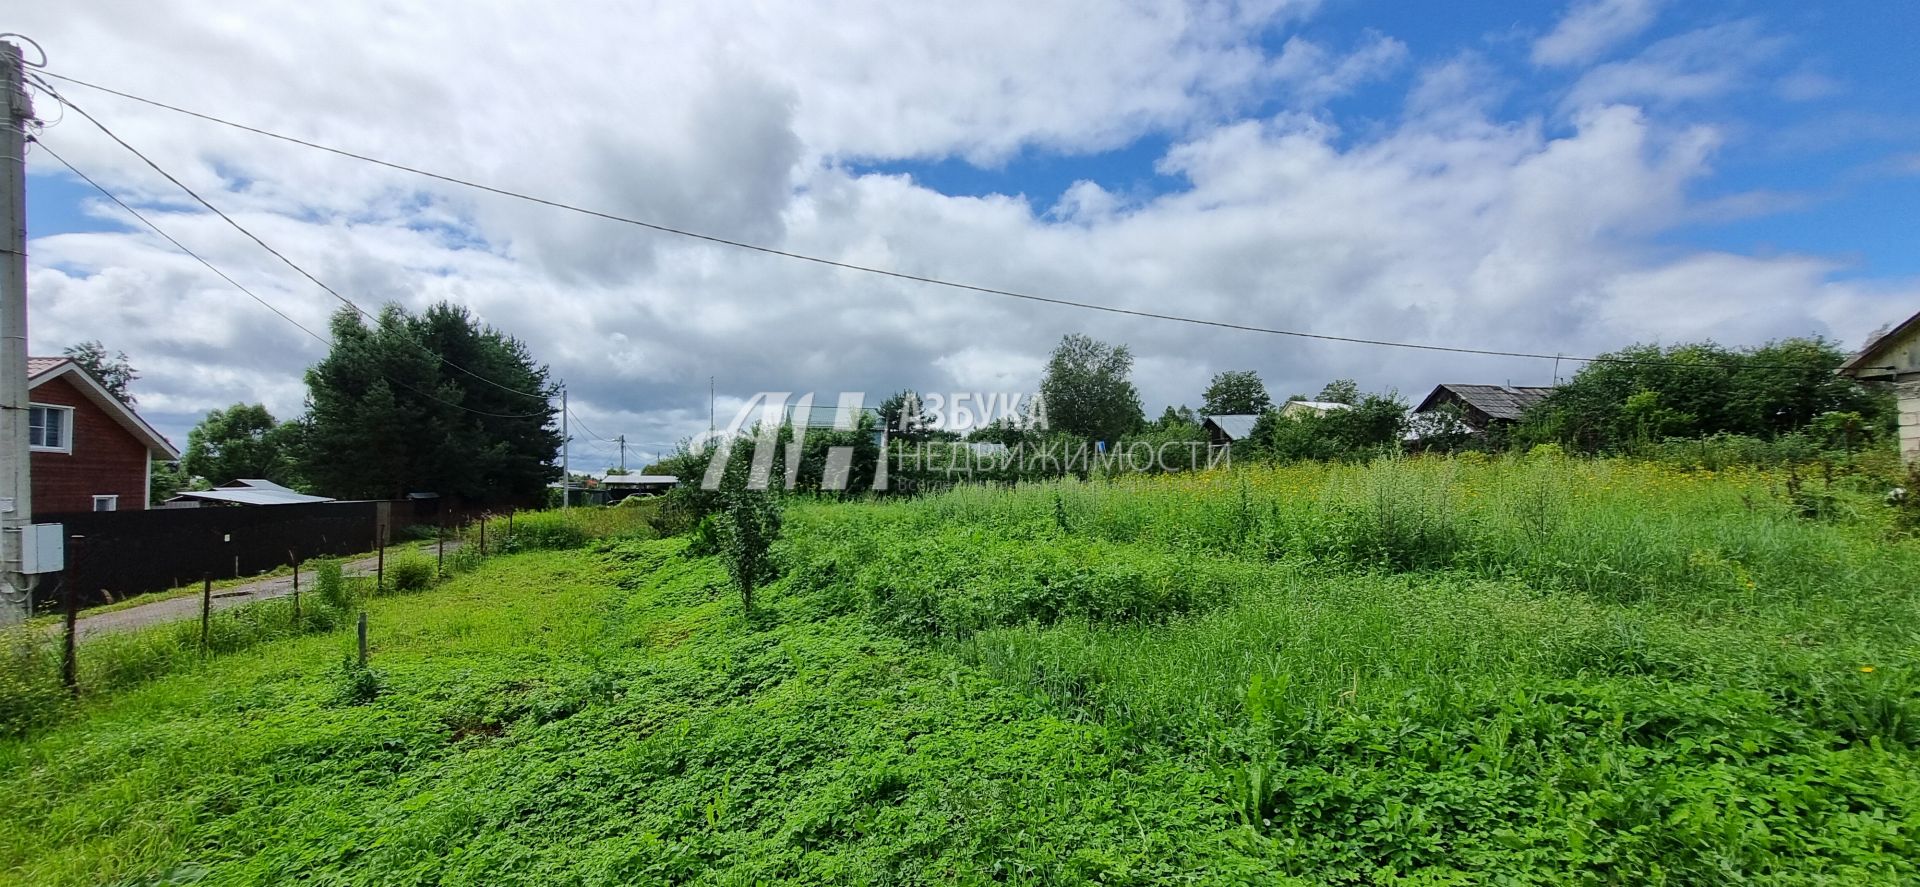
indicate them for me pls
(256, 483)
(1497, 401)
(249, 496)
(628, 480)
(1318, 406)
(1234, 427)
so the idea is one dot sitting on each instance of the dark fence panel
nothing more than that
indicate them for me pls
(125, 553)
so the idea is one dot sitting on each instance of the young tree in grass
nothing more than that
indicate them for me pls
(1236, 393)
(749, 524)
(1088, 390)
(112, 369)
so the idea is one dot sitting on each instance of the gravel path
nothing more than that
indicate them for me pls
(188, 606)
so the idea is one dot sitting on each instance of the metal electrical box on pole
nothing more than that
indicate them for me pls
(16, 480)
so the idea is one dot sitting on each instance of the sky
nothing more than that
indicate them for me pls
(1558, 179)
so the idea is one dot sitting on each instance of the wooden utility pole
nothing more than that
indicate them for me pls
(566, 470)
(16, 479)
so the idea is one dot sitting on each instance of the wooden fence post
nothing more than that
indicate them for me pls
(206, 610)
(294, 556)
(380, 564)
(483, 535)
(363, 637)
(70, 650)
(440, 547)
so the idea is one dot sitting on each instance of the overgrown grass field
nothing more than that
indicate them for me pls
(1422, 672)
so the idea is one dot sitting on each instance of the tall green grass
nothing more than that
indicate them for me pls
(1479, 669)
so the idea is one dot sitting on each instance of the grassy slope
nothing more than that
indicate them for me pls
(588, 734)
(1432, 673)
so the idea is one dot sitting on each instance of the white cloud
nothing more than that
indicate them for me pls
(1704, 64)
(1590, 28)
(1311, 74)
(1450, 226)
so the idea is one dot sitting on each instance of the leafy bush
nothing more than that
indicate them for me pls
(464, 559)
(330, 586)
(411, 573)
(357, 683)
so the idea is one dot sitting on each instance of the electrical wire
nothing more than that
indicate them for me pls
(250, 293)
(884, 272)
(583, 427)
(262, 243)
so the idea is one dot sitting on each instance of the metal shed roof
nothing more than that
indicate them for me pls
(249, 496)
(1234, 427)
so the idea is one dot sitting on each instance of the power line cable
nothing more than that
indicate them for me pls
(66, 102)
(250, 293)
(176, 243)
(884, 272)
(583, 426)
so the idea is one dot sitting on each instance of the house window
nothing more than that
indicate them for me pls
(50, 429)
(106, 503)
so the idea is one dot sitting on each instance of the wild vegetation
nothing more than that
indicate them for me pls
(1431, 671)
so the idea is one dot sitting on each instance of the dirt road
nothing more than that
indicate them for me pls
(188, 606)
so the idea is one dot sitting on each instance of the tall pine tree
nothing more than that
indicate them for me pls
(387, 416)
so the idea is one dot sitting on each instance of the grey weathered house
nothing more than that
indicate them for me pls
(1481, 407)
(1894, 358)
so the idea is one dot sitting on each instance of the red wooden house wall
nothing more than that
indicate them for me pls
(106, 459)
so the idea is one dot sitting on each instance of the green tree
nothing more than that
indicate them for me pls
(1176, 419)
(167, 480)
(242, 440)
(1344, 391)
(749, 524)
(435, 402)
(903, 416)
(1088, 391)
(112, 370)
(1645, 393)
(1376, 425)
(1235, 393)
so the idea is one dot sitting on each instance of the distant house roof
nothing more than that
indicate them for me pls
(1505, 402)
(249, 491)
(1234, 427)
(41, 370)
(1317, 407)
(1873, 360)
(635, 480)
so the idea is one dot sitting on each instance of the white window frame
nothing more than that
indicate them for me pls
(66, 428)
(112, 500)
